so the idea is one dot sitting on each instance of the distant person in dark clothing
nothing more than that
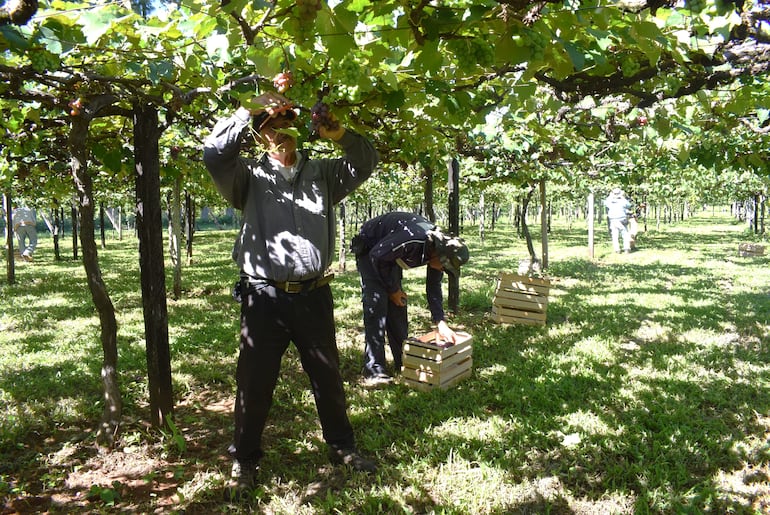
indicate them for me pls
(384, 247)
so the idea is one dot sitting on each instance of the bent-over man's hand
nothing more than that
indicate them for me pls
(398, 298)
(446, 334)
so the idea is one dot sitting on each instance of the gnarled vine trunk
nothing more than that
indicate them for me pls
(111, 414)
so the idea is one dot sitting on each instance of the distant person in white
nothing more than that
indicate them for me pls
(618, 209)
(25, 228)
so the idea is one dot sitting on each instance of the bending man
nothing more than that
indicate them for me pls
(384, 247)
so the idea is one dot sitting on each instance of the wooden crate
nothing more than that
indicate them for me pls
(429, 363)
(520, 299)
(751, 250)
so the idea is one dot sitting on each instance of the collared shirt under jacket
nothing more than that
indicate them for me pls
(288, 231)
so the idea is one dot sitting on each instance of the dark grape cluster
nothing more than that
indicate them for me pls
(320, 116)
(42, 60)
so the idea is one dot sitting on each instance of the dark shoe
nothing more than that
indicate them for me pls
(377, 379)
(352, 459)
(243, 480)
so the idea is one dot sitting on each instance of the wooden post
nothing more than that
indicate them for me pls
(342, 259)
(10, 272)
(74, 215)
(175, 236)
(101, 225)
(591, 224)
(482, 220)
(543, 226)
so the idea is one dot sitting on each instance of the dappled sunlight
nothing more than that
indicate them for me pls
(489, 371)
(651, 331)
(594, 348)
(704, 337)
(589, 424)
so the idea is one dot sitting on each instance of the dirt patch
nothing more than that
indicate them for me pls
(67, 473)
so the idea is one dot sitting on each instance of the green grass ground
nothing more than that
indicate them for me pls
(646, 392)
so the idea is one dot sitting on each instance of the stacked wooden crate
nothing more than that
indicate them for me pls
(520, 299)
(751, 250)
(429, 362)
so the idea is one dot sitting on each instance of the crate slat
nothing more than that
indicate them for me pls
(502, 319)
(517, 313)
(525, 302)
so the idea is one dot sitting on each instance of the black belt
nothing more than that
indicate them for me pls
(299, 286)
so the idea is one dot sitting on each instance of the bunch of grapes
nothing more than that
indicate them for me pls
(537, 42)
(471, 53)
(347, 71)
(320, 116)
(629, 67)
(303, 90)
(484, 52)
(307, 12)
(283, 81)
(349, 76)
(42, 60)
(695, 6)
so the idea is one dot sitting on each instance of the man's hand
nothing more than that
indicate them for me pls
(332, 134)
(325, 123)
(398, 298)
(446, 334)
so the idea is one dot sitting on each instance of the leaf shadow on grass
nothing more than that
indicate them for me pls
(660, 410)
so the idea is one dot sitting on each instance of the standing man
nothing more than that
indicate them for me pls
(618, 209)
(25, 228)
(384, 247)
(285, 246)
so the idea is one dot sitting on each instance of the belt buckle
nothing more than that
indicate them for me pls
(294, 287)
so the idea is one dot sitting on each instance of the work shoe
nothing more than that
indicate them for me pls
(352, 459)
(378, 378)
(243, 480)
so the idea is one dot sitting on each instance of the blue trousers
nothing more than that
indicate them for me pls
(270, 319)
(381, 318)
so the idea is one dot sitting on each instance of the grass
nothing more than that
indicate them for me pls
(647, 391)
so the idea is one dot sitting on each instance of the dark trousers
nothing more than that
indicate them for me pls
(381, 317)
(270, 319)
